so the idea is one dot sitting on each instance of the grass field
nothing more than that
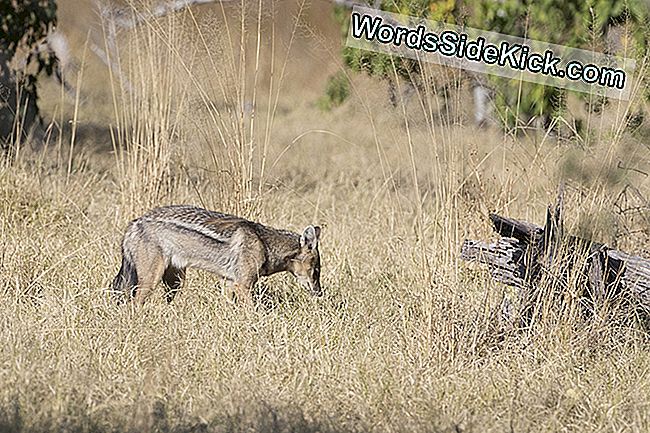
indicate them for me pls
(407, 337)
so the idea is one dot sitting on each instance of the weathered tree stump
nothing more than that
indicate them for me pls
(527, 252)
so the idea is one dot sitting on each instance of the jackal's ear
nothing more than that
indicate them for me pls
(309, 237)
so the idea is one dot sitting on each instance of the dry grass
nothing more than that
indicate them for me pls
(407, 337)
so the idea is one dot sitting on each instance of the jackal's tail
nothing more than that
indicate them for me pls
(125, 280)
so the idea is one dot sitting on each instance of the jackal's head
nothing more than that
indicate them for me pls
(306, 265)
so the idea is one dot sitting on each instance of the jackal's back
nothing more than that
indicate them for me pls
(216, 225)
(192, 236)
(184, 217)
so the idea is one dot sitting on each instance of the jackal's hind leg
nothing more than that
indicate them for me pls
(173, 280)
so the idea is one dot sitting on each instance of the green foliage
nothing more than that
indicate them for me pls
(381, 65)
(24, 24)
(515, 99)
(337, 91)
(574, 23)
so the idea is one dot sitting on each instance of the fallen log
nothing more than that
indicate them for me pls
(503, 257)
(526, 252)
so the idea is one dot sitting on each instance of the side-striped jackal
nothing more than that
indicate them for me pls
(164, 242)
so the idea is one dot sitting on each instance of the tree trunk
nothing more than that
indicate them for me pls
(19, 115)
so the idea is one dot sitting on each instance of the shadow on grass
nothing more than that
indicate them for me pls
(158, 418)
(92, 137)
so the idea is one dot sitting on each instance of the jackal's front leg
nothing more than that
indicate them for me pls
(149, 274)
(249, 261)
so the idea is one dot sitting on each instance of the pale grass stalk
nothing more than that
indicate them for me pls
(75, 115)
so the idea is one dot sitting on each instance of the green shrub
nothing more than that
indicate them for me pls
(337, 91)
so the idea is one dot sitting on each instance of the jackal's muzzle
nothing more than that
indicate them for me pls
(313, 287)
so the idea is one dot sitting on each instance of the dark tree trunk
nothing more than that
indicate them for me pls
(19, 115)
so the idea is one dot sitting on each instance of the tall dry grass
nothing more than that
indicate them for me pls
(407, 338)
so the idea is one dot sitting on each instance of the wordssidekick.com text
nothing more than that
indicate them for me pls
(504, 57)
